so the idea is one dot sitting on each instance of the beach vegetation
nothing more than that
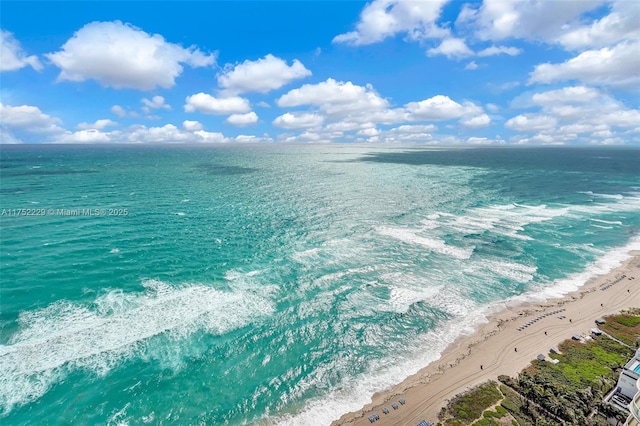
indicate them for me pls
(486, 421)
(492, 417)
(547, 394)
(628, 320)
(625, 327)
(571, 391)
(469, 406)
(583, 364)
(513, 403)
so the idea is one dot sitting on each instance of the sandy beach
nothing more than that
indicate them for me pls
(504, 345)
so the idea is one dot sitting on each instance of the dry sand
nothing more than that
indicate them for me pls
(494, 347)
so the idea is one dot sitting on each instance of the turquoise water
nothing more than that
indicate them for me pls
(277, 284)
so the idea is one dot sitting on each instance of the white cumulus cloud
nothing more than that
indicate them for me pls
(335, 98)
(451, 47)
(530, 123)
(619, 25)
(85, 136)
(119, 111)
(616, 66)
(263, 75)
(499, 50)
(208, 104)
(299, 121)
(171, 134)
(13, 56)
(242, 120)
(528, 19)
(123, 56)
(210, 137)
(28, 118)
(440, 107)
(471, 66)
(192, 126)
(386, 18)
(573, 94)
(157, 102)
(98, 125)
(478, 121)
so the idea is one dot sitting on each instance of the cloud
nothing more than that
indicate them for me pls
(498, 50)
(340, 127)
(539, 139)
(84, 136)
(478, 121)
(13, 57)
(98, 125)
(161, 134)
(7, 138)
(210, 137)
(452, 48)
(298, 121)
(29, 119)
(440, 107)
(335, 98)
(252, 139)
(566, 115)
(528, 19)
(574, 94)
(530, 122)
(192, 126)
(416, 128)
(208, 104)
(123, 56)
(308, 137)
(119, 111)
(30, 123)
(418, 133)
(370, 131)
(263, 75)
(157, 102)
(339, 107)
(471, 66)
(617, 66)
(386, 18)
(242, 120)
(171, 134)
(619, 25)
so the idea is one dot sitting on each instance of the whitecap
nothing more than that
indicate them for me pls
(434, 244)
(97, 336)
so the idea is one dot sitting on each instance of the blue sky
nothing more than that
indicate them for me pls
(436, 72)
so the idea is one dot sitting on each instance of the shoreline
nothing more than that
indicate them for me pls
(504, 346)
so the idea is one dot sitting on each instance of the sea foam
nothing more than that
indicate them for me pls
(99, 335)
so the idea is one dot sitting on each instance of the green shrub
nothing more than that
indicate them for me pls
(486, 422)
(501, 411)
(628, 320)
(470, 406)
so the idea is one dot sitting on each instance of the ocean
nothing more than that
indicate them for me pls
(278, 284)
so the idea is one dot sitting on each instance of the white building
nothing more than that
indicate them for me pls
(629, 376)
(634, 408)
